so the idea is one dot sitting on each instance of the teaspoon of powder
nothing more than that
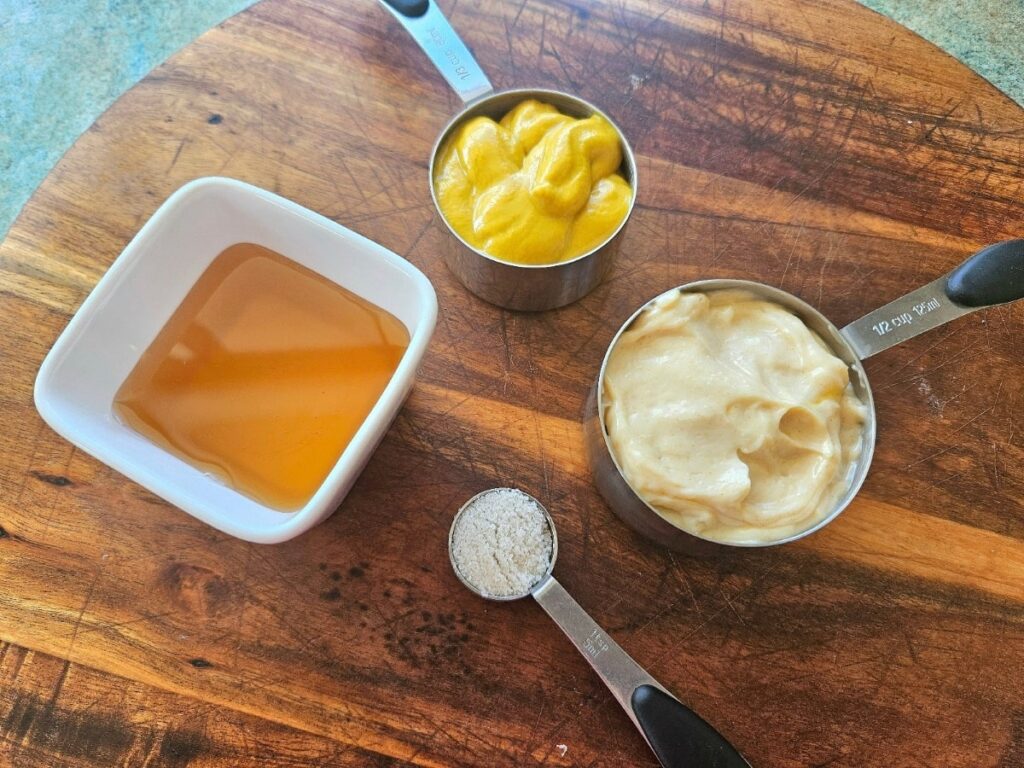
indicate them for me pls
(501, 543)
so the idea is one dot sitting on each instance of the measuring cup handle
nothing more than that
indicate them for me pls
(412, 9)
(678, 735)
(993, 275)
(430, 29)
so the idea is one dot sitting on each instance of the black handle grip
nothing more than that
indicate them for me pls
(678, 735)
(994, 275)
(412, 9)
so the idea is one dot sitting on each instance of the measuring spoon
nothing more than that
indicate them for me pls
(679, 737)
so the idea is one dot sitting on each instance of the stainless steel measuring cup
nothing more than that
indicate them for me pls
(531, 287)
(678, 736)
(992, 276)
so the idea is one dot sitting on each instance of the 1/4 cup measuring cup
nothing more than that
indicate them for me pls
(531, 287)
(992, 276)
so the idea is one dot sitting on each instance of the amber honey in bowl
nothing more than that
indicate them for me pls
(263, 375)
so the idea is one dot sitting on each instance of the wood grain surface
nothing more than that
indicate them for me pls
(809, 144)
(56, 713)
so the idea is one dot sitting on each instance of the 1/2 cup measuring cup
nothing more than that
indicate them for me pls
(530, 287)
(992, 276)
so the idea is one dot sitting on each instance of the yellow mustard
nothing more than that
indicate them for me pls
(537, 188)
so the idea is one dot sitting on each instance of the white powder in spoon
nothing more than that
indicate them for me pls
(502, 543)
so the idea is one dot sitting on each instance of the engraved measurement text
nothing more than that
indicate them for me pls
(905, 318)
(437, 38)
(595, 644)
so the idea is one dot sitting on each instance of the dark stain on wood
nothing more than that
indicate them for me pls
(196, 588)
(215, 119)
(74, 734)
(581, 10)
(200, 663)
(1013, 757)
(430, 639)
(331, 595)
(179, 748)
(59, 480)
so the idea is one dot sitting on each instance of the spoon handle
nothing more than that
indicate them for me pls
(677, 734)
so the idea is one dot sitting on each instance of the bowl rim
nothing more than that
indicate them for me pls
(48, 393)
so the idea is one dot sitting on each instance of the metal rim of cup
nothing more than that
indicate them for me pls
(836, 343)
(628, 160)
(475, 589)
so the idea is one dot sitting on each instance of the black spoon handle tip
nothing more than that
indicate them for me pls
(994, 275)
(412, 9)
(678, 735)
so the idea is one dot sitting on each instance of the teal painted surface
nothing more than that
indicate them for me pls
(63, 62)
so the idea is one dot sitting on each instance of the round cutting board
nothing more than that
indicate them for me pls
(814, 146)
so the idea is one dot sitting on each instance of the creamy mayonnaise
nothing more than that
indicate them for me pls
(731, 417)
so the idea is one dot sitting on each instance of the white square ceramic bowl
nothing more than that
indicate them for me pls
(75, 388)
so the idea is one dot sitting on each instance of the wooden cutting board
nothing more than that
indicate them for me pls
(811, 145)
